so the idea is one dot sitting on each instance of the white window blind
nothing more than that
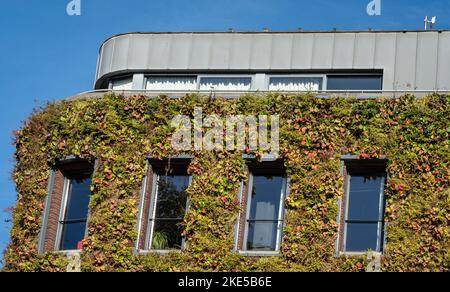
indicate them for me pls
(171, 83)
(122, 84)
(295, 84)
(226, 83)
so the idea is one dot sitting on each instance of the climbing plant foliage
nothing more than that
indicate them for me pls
(413, 133)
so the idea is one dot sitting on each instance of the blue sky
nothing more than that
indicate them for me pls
(47, 55)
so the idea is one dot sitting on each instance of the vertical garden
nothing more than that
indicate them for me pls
(120, 132)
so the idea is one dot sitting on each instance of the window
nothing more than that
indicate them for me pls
(265, 218)
(261, 226)
(364, 207)
(226, 83)
(167, 83)
(74, 218)
(295, 83)
(355, 82)
(169, 209)
(122, 84)
(67, 206)
(164, 205)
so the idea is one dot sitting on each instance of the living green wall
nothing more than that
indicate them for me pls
(120, 132)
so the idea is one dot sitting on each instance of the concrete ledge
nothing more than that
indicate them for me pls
(259, 253)
(236, 94)
(158, 252)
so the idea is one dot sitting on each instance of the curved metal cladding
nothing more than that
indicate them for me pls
(410, 60)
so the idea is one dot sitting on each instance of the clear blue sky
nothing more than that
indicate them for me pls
(47, 55)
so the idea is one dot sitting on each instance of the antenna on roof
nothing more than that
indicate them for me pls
(431, 22)
(266, 29)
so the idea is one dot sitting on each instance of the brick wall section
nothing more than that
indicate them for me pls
(243, 215)
(342, 213)
(146, 209)
(54, 212)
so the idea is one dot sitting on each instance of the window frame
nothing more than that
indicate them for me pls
(152, 214)
(194, 76)
(323, 84)
(281, 219)
(125, 77)
(380, 75)
(62, 218)
(344, 220)
(231, 76)
(56, 201)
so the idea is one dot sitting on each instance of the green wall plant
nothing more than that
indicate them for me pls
(120, 132)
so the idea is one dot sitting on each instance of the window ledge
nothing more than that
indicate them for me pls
(69, 252)
(159, 252)
(360, 254)
(259, 253)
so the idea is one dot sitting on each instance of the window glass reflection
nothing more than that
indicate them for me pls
(295, 84)
(122, 84)
(262, 236)
(264, 217)
(172, 83)
(170, 210)
(265, 201)
(75, 219)
(226, 83)
(355, 82)
(72, 235)
(364, 221)
(364, 198)
(362, 237)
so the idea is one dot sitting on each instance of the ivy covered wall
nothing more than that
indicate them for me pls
(120, 132)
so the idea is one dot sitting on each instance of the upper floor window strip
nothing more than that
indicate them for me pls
(281, 82)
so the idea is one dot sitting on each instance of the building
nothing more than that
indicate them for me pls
(111, 205)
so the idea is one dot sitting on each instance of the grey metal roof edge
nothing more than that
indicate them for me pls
(269, 32)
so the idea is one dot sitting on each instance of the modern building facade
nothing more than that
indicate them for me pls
(365, 64)
(321, 61)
